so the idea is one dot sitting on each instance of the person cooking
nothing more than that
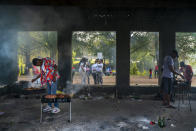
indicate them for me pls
(49, 76)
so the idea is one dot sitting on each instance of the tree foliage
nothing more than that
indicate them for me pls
(144, 50)
(186, 44)
(35, 44)
(90, 43)
(144, 47)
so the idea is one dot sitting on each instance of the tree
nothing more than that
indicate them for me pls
(90, 43)
(47, 40)
(34, 44)
(144, 50)
(186, 45)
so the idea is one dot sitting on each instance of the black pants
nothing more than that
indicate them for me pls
(88, 76)
(100, 79)
(167, 85)
(95, 77)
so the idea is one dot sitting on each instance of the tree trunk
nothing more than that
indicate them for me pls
(27, 63)
(53, 54)
(104, 66)
(157, 47)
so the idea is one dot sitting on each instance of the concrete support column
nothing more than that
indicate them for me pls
(123, 60)
(64, 56)
(8, 57)
(166, 45)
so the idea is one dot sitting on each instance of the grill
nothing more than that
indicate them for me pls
(184, 92)
(33, 91)
(60, 100)
(53, 100)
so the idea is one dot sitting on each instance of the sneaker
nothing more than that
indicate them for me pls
(55, 110)
(47, 109)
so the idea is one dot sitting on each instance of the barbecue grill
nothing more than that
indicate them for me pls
(184, 90)
(26, 91)
(66, 99)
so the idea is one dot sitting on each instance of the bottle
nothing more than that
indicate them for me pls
(159, 121)
(161, 124)
(163, 120)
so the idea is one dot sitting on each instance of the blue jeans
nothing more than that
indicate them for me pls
(52, 91)
(150, 76)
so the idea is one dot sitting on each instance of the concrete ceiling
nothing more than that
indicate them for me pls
(107, 3)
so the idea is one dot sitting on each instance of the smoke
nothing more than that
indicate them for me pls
(39, 18)
(45, 17)
(8, 57)
(72, 89)
(29, 18)
(6, 50)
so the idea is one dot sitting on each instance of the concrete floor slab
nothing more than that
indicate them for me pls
(95, 115)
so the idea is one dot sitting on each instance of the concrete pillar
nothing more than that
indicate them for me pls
(64, 56)
(166, 45)
(8, 57)
(123, 61)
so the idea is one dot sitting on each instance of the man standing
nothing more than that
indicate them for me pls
(88, 71)
(49, 76)
(167, 77)
(82, 70)
(150, 73)
(73, 73)
(94, 71)
(100, 71)
(187, 72)
(156, 71)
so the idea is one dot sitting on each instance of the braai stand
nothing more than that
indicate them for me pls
(59, 100)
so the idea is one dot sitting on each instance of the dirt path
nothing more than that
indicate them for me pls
(111, 80)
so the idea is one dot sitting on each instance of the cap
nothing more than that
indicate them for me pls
(182, 64)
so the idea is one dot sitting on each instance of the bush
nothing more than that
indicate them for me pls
(134, 69)
(144, 73)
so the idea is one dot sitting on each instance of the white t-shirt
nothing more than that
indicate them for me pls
(166, 71)
(176, 65)
(99, 67)
(94, 68)
(82, 66)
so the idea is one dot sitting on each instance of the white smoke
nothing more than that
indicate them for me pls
(72, 89)
(8, 56)
(30, 18)
(6, 51)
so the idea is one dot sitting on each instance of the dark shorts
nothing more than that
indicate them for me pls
(188, 83)
(166, 85)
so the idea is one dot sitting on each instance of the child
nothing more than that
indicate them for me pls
(150, 73)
